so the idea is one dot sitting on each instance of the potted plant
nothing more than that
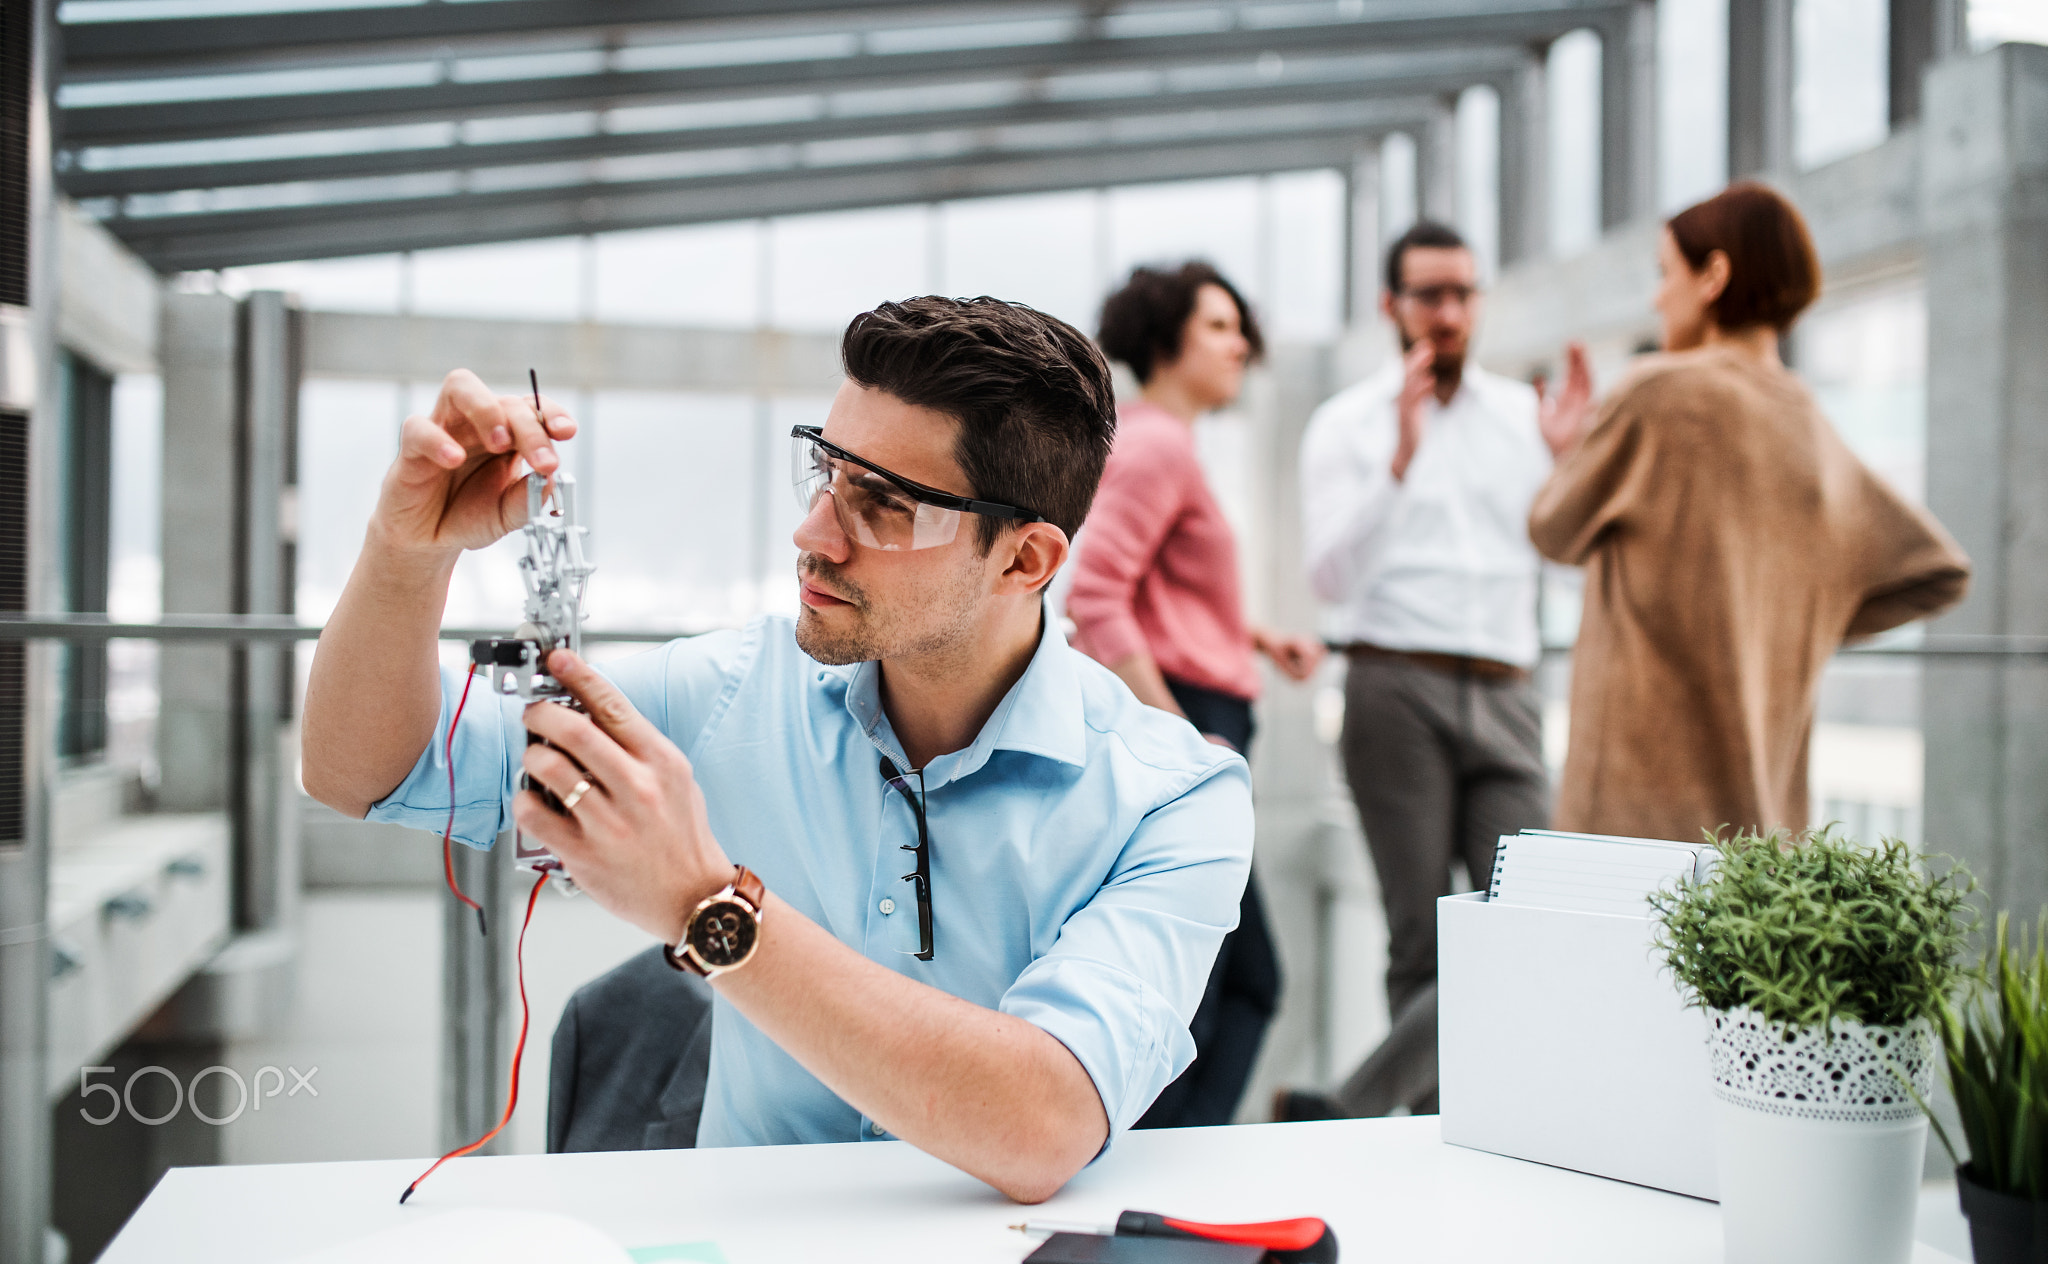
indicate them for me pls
(1821, 964)
(1996, 1042)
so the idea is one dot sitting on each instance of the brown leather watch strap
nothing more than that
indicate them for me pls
(746, 884)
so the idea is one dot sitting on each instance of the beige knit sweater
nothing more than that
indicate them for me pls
(1731, 543)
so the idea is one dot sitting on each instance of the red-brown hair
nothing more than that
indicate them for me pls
(1773, 272)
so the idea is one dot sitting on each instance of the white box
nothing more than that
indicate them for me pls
(1562, 1039)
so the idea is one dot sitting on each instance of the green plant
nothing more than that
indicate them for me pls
(1805, 928)
(1996, 1040)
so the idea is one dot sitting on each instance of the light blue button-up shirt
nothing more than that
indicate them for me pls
(1087, 851)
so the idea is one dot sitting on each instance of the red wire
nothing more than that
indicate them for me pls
(448, 835)
(518, 1050)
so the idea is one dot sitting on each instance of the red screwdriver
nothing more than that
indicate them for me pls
(1305, 1240)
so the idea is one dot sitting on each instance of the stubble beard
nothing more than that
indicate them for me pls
(940, 623)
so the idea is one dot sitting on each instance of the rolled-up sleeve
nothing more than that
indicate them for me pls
(1122, 981)
(482, 755)
(676, 685)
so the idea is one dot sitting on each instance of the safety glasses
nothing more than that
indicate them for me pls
(876, 508)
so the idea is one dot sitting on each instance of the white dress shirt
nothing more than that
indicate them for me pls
(1439, 560)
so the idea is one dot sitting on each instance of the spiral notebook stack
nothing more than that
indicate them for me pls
(1590, 873)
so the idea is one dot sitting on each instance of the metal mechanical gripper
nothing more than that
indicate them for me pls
(555, 573)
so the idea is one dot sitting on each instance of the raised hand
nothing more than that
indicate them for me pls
(1417, 385)
(458, 482)
(1564, 416)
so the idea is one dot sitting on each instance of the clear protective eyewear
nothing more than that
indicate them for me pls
(878, 509)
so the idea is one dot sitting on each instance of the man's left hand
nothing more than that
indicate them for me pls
(638, 839)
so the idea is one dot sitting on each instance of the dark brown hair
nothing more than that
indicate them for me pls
(1423, 234)
(1142, 323)
(1773, 272)
(1031, 393)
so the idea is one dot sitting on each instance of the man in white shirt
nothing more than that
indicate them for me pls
(1416, 486)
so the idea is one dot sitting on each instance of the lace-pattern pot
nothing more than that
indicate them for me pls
(1859, 1076)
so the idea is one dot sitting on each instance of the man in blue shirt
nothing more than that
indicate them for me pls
(1079, 856)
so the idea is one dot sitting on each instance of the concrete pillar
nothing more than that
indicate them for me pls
(1759, 88)
(1400, 182)
(1436, 166)
(231, 383)
(29, 578)
(1525, 161)
(476, 971)
(1984, 205)
(260, 782)
(1921, 32)
(1293, 773)
(1361, 237)
(200, 335)
(1628, 115)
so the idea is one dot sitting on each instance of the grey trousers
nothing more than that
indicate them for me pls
(1440, 765)
(1402, 1071)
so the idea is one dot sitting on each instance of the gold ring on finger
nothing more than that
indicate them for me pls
(575, 796)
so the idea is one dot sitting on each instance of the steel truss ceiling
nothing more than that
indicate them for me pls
(210, 141)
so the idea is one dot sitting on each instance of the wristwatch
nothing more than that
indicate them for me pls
(724, 930)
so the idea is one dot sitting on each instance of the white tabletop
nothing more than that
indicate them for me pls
(1389, 1187)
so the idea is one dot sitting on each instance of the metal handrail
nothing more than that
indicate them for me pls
(1938, 645)
(17, 626)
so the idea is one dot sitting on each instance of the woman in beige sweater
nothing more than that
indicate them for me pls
(1731, 543)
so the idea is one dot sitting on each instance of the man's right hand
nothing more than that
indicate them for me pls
(458, 483)
(1417, 385)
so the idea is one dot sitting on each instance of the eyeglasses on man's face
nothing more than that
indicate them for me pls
(1435, 296)
(878, 508)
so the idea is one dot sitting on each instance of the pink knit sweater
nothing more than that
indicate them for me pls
(1156, 568)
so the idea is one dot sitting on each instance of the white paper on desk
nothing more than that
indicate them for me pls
(476, 1235)
(1588, 873)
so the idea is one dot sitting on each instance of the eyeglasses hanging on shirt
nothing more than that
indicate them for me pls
(922, 875)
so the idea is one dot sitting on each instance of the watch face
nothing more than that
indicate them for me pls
(722, 934)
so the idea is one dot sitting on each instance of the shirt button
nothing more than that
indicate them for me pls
(876, 1129)
(887, 907)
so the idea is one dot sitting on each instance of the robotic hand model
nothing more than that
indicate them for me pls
(555, 573)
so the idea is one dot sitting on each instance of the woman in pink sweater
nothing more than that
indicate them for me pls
(1156, 599)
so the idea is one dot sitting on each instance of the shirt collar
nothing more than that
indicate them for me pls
(1040, 715)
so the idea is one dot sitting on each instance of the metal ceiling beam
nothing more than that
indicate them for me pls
(1166, 130)
(213, 45)
(1478, 66)
(242, 116)
(101, 50)
(217, 241)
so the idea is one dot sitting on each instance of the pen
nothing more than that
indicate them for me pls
(1305, 1240)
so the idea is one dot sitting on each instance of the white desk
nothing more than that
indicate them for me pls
(1389, 1187)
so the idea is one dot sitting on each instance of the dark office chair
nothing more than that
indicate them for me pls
(630, 1058)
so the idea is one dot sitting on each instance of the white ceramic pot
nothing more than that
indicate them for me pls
(1819, 1145)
